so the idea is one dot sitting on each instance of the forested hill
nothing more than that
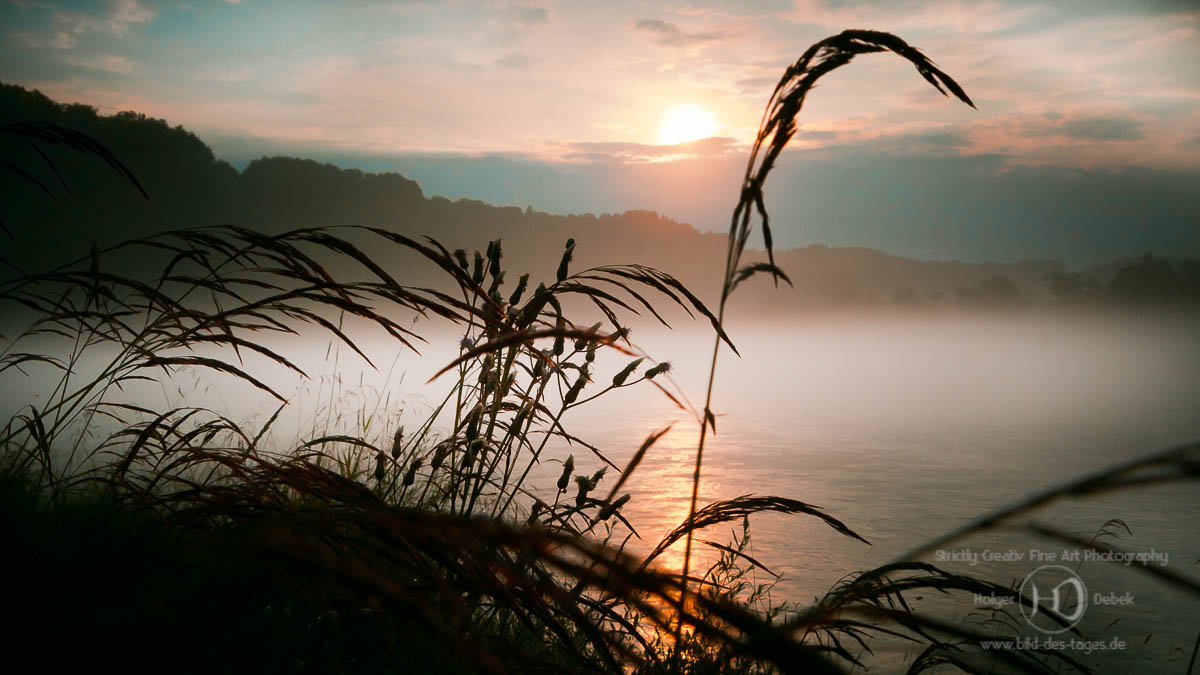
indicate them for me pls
(188, 186)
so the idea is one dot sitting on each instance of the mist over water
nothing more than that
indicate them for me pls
(827, 410)
(903, 428)
(907, 428)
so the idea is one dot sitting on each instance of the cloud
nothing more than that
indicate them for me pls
(817, 135)
(224, 74)
(1122, 83)
(30, 4)
(656, 26)
(67, 27)
(1105, 129)
(1080, 140)
(527, 16)
(125, 14)
(32, 40)
(740, 8)
(1039, 129)
(755, 86)
(861, 137)
(107, 62)
(988, 16)
(515, 60)
(299, 98)
(633, 153)
(668, 34)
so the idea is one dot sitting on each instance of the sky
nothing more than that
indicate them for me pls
(1085, 145)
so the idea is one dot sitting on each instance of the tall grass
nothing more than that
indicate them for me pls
(777, 128)
(395, 525)
(426, 547)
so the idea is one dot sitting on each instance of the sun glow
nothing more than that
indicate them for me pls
(686, 122)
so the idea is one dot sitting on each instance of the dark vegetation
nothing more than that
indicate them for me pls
(151, 538)
(1146, 283)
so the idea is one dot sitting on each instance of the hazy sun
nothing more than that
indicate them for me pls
(686, 122)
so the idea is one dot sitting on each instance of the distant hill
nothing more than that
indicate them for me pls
(188, 186)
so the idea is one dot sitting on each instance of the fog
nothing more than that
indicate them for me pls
(903, 427)
(1133, 381)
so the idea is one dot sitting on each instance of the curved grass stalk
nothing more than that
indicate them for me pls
(775, 131)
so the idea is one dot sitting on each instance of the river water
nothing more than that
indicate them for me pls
(907, 428)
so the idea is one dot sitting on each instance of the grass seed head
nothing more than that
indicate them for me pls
(380, 466)
(619, 378)
(612, 507)
(477, 269)
(494, 255)
(473, 424)
(518, 420)
(565, 263)
(535, 511)
(522, 282)
(664, 367)
(439, 456)
(573, 392)
(410, 476)
(583, 342)
(585, 486)
(397, 442)
(494, 289)
(529, 313)
(565, 479)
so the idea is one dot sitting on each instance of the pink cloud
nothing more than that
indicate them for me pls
(106, 62)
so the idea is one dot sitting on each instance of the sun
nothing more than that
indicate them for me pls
(686, 122)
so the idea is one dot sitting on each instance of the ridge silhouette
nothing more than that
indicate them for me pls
(188, 186)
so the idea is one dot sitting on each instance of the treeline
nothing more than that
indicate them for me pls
(1149, 281)
(67, 201)
(74, 200)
